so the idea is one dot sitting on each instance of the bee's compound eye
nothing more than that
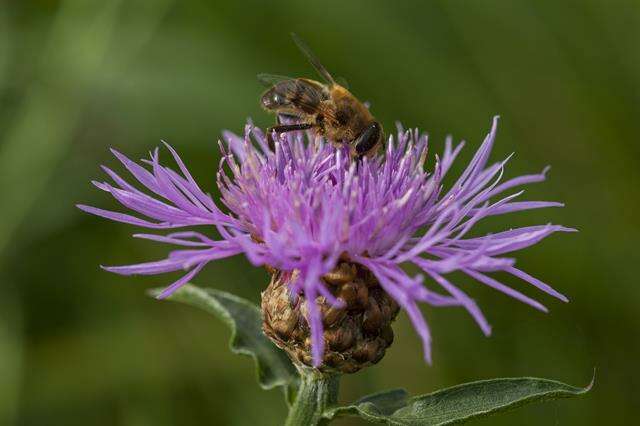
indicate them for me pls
(368, 139)
(272, 100)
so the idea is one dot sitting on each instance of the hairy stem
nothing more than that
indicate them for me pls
(316, 393)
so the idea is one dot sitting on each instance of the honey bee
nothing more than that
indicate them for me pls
(327, 108)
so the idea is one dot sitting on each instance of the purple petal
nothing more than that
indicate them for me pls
(180, 282)
(522, 205)
(504, 289)
(466, 301)
(537, 283)
(148, 268)
(125, 218)
(171, 240)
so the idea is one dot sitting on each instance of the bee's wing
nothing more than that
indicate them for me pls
(269, 80)
(313, 59)
(300, 95)
(342, 82)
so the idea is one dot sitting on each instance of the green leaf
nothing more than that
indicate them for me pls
(245, 321)
(456, 404)
(377, 407)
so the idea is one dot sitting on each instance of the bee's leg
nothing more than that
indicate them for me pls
(270, 133)
(270, 143)
(284, 128)
(368, 139)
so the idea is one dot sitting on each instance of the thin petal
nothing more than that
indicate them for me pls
(180, 282)
(537, 283)
(467, 302)
(147, 268)
(125, 218)
(504, 289)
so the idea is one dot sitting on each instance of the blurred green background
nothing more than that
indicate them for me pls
(79, 346)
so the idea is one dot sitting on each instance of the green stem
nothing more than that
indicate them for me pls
(316, 393)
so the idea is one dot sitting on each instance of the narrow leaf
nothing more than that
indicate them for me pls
(457, 404)
(375, 408)
(245, 321)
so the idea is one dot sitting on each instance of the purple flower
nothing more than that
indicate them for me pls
(306, 204)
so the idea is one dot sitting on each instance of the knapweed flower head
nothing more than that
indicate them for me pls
(306, 206)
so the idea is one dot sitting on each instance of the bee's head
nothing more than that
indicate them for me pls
(271, 100)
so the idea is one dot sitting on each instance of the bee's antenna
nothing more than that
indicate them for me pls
(312, 58)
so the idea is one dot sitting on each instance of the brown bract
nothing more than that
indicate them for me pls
(355, 336)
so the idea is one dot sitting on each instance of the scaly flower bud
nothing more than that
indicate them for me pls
(357, 325)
